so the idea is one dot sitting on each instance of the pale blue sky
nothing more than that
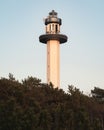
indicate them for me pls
(82, 57)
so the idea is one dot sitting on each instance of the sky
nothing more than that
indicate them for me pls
(81, 58)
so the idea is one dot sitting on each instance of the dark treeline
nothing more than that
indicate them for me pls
(32, 105)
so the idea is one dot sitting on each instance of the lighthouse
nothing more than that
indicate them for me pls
(53, 39)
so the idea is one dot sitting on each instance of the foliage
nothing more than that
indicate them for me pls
(98, 94)
(32, 105)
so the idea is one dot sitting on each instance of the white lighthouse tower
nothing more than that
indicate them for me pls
(53, 39)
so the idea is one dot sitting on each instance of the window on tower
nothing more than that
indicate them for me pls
(56, 28)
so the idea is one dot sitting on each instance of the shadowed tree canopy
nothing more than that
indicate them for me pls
(98, 94)
(33, 105)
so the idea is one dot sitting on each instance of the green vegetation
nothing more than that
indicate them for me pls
(32, 105)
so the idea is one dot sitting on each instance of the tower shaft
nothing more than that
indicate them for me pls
(53, 62)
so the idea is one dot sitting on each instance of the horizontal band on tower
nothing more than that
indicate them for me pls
(46, 37)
